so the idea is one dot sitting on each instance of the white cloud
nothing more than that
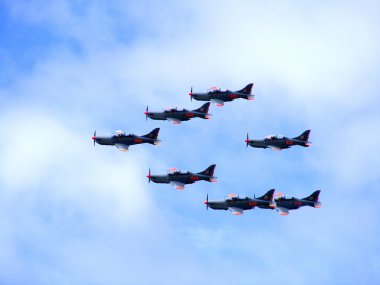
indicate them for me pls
(75, 214)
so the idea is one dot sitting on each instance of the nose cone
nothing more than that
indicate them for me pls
(205, 202)
(93, 138)
(246, 141)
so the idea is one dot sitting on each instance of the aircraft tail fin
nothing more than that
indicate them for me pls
(247, 89)
(313, 197)
(209, 171)
(267, 196)
(204, 108)
(304, 136)
(153, 134)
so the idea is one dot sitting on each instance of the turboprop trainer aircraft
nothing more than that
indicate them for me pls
(218, 96)
(280, 142)
(283, 205)
(237, 204)
(178, 179)
(177, 116)
(122, 141)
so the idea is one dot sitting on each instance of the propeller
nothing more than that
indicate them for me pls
(206, 202)
(146, 113)
(247, 140)
(149, 176)
(191, 93)
(94, 137)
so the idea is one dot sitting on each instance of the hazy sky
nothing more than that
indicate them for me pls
(74, 214)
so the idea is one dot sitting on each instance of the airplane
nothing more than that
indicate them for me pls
(178, 179)
(218, 97)
(237, 204)
(176, 116)
(122, 141)
(283, 204)
(280, 142)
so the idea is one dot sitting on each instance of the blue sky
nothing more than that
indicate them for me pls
(74, 214)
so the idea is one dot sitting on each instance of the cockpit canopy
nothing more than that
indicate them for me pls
(119, 133)
(170, 110)
(236, 198)
(274, 137)
(214, 89)
(175, 171)
(282, 197)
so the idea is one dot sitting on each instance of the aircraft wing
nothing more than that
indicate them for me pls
(174, 121)
(217, 102)
(282, 211)
(177, 185)
(121, 147)
(236, 211)
(274, 147)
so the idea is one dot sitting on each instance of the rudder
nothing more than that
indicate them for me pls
(209, 171)
(304, 136)
(204, 108)
(267, 196)
(313, 197)
(247, 89)
(153, 134)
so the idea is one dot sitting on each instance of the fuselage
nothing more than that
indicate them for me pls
(276, 143)
(125, 140)
(183, 115)
(241, 203)
(294, 203)
(185, 178)
(225, 96)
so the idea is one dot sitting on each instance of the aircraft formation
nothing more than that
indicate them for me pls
(178, 179)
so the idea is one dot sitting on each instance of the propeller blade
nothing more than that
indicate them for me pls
(149, 176)
(94, 137)
(206, 202)
(146, 113)
(191, 93)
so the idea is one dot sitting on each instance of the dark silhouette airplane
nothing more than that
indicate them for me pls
(280, 142)
(283, 205)
(177, 116)
(237, 204)
(122, 141)
(218, 97)
(178, 179)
